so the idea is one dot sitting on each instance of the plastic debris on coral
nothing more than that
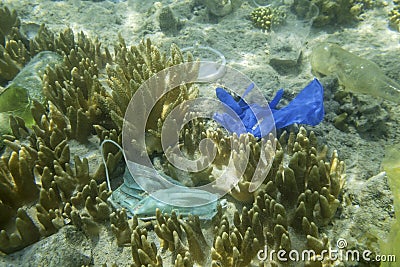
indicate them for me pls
(306, 108)
(136, 201)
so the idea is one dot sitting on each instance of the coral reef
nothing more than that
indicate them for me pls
(300, 194)
(173, 232)
(265, 17)
(49, 177)
(394, 16)
(229, 148)
(335, 12)
(299, 197)
(8, 21)
(38, 166)
(11, 56)
(144, 252)
(126, 78)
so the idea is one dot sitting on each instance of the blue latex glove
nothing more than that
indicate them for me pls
(241, 108)
(306, 108)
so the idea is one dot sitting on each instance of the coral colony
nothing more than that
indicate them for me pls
(46, 186)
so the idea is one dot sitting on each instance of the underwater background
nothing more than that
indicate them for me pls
(68, 70)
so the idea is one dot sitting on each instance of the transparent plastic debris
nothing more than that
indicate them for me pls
(17, 97)
(130, 196)
(212, 62)
(356, 74)
(287, 39)
(262, 3)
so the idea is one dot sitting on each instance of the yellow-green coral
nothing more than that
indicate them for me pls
(394, 16)
(43, 152)
(8, 20)
(175, 233)
(87, 101)
(299, 194)
(77, 107)
(266, 17)
(13, 53)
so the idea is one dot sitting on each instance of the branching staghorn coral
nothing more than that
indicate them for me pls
(144, 252)
(394, 16)
(230, 155)
(9, 19)
(42, 172)
(46, 156)
(121, 228)
(67, 190)
(26, 233)
(16, 49)
(74, 111)
(235, 246)
(133, 67)
(17, 182)
(174, 232)
(13, 53)
(300, 192)
(74, 86)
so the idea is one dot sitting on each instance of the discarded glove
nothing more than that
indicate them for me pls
(306, 108)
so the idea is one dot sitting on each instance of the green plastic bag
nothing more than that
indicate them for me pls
(17, 97)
